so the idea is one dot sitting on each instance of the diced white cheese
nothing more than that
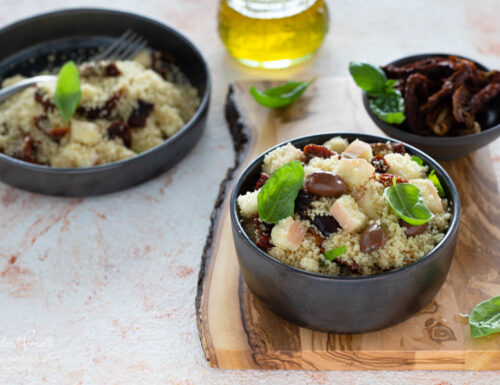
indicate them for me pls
(359, 149)
(337, 144)
(430, 193)
(355, 172)
(248, 204)
(402, 165)
(288, 234)
(347, 213)
(85, 132)
(279, 157)
(309, 264)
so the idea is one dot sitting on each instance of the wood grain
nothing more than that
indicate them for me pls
(238, 332)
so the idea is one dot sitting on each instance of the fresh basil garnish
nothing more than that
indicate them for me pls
(418, 160)
(280, 96)
(334, 253)
(485, 318)
(389, 107)
(68, 91)
(384, 101)
(435, 181)
(276, 199)
(368, 77)
(408, 203)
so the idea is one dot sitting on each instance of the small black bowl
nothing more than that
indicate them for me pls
(450, 147)
(343, 304)
(28, 47)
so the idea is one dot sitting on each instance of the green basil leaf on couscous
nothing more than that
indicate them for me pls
(334, 253)
(68, 93)
(418, 160)
(408, 203)
(435, 181)
(276, 199)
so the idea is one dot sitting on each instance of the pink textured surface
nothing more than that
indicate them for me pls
(101, 290)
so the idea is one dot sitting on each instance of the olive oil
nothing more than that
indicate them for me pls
(272, 33)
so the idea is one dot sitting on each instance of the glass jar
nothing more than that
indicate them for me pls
(272, 33)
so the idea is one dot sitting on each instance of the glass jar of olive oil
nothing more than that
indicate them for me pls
(272, 33)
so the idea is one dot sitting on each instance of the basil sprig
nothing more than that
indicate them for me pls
(435, 180)
(384, 101)
(68, 91)
(408, 203)
(418, 160)
(485, 318)
(280, 96)
(276, 199)
(334, 253)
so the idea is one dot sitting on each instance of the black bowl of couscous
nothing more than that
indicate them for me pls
(135, 119)
(344, 261)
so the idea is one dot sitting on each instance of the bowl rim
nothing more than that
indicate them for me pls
(434, 165)
(447, 141)
(204, 102)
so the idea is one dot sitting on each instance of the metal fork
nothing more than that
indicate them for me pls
(125, 47)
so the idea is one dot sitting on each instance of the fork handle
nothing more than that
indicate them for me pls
(9, 91)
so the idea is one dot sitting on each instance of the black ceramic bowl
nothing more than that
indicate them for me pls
(343, 304)
(26, 46)
(450, 147)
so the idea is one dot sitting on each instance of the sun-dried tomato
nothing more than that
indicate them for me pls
(262, 179)
(386, 179)
(312, 150)
(262, 234)
(433, 67)
(140, 114)
(42, 98)
(398, 148)
(161, 63)
(104, 112)
(378, 161)
(122, 130)
(318, 239)
(27, 151)
(99, 70)
(42, 122)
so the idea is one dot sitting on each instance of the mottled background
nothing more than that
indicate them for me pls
(102, 289)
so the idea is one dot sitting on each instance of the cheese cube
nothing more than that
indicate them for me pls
(85, 132)
(347, 213)
(248, 204)
(279, 157)
(402, 165)
(359, 149)
(288, 234)
(355, 172)
(337, 144)
(430, 193)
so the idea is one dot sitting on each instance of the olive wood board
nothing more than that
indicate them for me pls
(238, 332)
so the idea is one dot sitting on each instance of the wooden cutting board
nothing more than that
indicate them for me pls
(238, 332)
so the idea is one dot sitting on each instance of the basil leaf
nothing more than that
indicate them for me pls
(389, 107)
(276, 198)
(408, 203)
(485, 318)
(368, 77)
(68, 91)
(389, 85)
(435, 180)
(418, 160)
(334, 253)
(280, 96)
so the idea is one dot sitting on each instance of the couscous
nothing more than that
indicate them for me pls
(126, 107)
(343, 220)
